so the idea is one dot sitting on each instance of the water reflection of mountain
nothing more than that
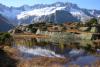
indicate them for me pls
(59, 45)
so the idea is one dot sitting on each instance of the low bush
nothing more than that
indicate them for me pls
(5, 38)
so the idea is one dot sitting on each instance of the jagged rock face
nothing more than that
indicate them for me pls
(64, 16)
(4, 26)
(59, 16)
(57, 12)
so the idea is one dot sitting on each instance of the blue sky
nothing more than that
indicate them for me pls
(89, 4)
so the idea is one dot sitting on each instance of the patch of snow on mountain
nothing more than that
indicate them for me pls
(98, 16)
(75, 12)
(39, 12)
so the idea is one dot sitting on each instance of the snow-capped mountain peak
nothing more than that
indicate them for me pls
(39, 12)
(47, 12)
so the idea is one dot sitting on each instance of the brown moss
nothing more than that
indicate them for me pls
(44, 62)
(12, 52)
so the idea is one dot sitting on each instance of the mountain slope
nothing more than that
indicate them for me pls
(4, 26)
(68, 12)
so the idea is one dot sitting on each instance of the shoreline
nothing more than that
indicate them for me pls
(41, 61)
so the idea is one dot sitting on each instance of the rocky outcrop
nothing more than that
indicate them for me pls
(57, 36)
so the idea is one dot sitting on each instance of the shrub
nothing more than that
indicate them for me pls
(4, 38)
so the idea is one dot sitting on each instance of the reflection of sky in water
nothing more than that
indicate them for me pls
(85, 60)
